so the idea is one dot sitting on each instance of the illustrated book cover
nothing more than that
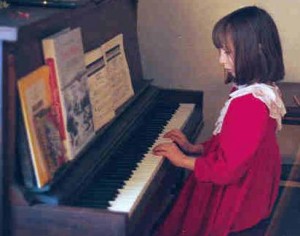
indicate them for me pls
(45, 143)
(64, 54)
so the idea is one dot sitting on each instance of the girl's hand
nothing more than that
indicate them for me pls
(170, 151)
(181, 140)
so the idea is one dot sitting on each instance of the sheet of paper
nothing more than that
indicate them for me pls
(100, 88)
(118, 71)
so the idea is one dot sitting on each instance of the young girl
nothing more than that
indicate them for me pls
(234, 182)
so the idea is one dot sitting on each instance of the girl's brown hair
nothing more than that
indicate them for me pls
(256, 45)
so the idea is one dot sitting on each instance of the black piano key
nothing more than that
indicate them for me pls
(125, 159)
(93, 204)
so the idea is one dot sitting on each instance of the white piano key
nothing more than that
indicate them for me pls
(129, 195)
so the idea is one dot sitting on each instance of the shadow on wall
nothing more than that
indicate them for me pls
(215, 97)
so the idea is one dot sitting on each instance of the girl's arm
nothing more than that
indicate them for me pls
(243, 129)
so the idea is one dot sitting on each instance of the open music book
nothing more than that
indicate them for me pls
(100, 88)
(109, 80)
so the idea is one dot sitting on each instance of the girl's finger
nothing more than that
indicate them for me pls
(173, 132)
(174, 137)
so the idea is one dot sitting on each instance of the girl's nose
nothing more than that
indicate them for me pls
(222, 57)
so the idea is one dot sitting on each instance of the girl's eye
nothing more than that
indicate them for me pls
(227, 51)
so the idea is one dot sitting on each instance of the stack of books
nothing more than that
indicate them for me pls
(68, 100)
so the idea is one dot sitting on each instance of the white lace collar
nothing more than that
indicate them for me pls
(269, 95)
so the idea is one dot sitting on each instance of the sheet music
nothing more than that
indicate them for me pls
(118, 70)
(100, 88)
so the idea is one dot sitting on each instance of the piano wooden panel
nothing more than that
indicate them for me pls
(6, 34)
(291, 97)
(99, 23)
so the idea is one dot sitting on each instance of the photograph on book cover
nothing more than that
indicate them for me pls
(79, 120)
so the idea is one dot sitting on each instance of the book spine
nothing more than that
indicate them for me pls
(56, 104)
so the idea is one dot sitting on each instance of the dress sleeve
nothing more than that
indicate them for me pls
(243, 129)
(209, 144)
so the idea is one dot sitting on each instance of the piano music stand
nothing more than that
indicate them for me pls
(6, 34)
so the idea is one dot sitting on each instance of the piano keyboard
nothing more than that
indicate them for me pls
(120, 187)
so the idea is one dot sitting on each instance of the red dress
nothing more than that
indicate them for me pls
(235, 182)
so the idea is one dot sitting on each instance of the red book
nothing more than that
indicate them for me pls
(56, 104)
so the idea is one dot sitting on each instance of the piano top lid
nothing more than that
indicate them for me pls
(19, 16)
(108, 18)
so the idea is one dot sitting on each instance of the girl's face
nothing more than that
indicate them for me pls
(226, 58)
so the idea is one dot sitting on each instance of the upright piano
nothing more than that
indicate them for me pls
(115, 186)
